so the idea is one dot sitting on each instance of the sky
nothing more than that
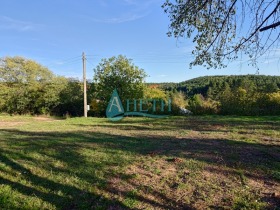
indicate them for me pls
(55, 33)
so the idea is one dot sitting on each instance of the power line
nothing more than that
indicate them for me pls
(90, 63)
(65, 61)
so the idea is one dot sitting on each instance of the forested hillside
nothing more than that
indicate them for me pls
(213, 86)
(241, 95)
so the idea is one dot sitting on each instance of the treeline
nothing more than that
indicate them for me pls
(26, 87)
(245, 95)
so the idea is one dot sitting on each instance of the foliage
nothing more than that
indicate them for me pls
(154, 93)
(217, 28)
(274, 98)
(217, 84)
(27, 87)
(178, 101)
(199, 105)
(71, 99)
(151, 93)
(269, 103)
(243, 95)
(117, 73)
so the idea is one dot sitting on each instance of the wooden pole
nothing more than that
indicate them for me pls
(85, 84)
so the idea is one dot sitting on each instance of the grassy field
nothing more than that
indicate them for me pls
(209, 162)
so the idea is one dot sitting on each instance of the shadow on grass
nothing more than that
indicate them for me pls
(72, 197)
(196, 123)
(66, 147)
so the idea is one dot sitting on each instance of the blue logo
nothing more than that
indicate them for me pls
(115, 110)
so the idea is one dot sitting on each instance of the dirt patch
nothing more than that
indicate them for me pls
(45, 119)
(10, 124)
(14, 122)
(159, 183)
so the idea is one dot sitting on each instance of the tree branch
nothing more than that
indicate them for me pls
(274, 25)
(257, 29)
(224, 22)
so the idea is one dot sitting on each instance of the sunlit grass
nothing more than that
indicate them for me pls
(174, 163)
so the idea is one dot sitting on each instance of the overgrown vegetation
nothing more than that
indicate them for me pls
(27, 87)
(210, 162)
(239, 95)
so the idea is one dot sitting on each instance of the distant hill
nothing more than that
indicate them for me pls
(213, 85)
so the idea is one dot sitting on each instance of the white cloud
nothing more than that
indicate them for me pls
(136, 9)
(121, 19)
(7, 23)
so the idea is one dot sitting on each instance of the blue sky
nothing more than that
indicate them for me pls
(56, 32)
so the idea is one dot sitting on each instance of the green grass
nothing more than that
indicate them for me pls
(207, 162)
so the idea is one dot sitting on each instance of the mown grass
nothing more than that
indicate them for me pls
(209, 162)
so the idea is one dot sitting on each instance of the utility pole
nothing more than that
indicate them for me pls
(85, 84)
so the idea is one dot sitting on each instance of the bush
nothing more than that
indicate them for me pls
(179, 102)
(199, 105)
(27, 87)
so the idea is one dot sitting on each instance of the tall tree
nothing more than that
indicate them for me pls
(121, 74)
(225, 29)
(28, 87)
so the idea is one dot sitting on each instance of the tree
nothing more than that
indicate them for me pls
(224, 29)
(154, 93)
(226, 100)
(271, 87)
(178, 101)
(274, 100)
(71, 99)
(210, 93)
(199, 105)
(28, 87)
(118, 73)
